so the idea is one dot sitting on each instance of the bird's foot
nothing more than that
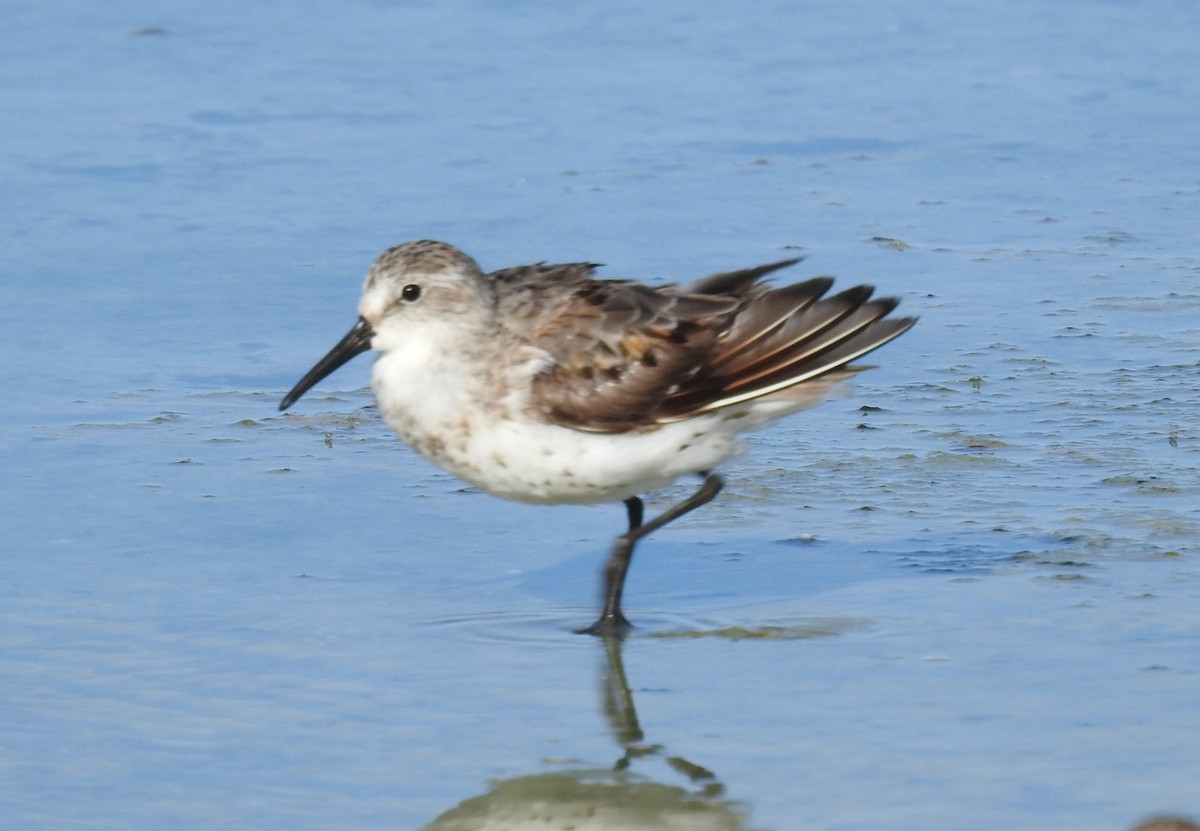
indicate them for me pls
(613, 625)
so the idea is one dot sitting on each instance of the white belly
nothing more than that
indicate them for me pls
(545, 463)
(493, 444)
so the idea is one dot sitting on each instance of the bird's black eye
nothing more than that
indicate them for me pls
(410, 293)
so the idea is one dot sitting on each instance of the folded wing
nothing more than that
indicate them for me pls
(627, 357)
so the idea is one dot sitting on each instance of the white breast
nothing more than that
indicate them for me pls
(480, 431)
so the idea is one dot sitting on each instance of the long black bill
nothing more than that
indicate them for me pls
(357, 341)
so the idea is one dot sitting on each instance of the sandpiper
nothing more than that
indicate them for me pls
(544, 384)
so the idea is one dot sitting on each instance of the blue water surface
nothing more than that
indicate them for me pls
(965, 596)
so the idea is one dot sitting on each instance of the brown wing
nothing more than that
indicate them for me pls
(627, 357)
(619, 348)
(784, 338)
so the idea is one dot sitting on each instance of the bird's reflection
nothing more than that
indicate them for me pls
(615, 798)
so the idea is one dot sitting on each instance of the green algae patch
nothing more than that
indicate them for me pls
(757, 633)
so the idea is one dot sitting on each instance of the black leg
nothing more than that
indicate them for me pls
(636, 509)
(612, 623)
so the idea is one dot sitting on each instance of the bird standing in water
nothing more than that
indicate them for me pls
(544, 384)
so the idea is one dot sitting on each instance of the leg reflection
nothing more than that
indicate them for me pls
(619, 709)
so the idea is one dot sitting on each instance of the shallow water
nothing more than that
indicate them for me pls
(964, 596)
